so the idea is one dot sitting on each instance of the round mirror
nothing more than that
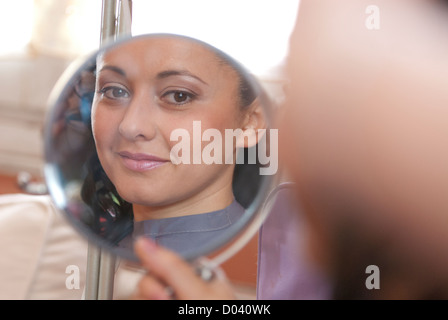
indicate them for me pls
(161, 136)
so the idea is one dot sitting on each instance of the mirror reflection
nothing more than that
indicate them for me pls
(160, 136)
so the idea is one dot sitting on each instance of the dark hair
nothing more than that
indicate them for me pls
(111, 216)
(247, 90)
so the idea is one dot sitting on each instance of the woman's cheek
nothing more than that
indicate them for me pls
(103, 127)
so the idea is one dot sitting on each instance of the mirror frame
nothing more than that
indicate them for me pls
(239, 233)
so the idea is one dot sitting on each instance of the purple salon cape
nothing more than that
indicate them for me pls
(284, 271)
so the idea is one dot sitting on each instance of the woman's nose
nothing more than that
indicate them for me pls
(138, 122)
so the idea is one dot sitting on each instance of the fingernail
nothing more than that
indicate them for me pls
(148, 245)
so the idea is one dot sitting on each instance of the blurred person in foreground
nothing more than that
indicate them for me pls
(364, 134)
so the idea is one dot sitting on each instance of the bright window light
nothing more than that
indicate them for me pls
(255, 32)
(16, 24)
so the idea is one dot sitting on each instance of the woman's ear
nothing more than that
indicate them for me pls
(254, 125)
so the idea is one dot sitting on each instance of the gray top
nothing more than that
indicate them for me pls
(185, 233)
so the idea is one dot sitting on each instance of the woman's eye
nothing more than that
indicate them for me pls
(178, 97)
(112, 92)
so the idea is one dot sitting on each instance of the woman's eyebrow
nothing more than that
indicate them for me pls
(169, 73)
(114, 69)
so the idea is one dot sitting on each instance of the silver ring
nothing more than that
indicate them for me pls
(206, 270)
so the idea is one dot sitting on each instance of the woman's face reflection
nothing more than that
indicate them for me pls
(145, 89)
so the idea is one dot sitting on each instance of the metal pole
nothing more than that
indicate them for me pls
(124, 19)
(100, 265)
(106, 276)
(92, 272)
(108, 21)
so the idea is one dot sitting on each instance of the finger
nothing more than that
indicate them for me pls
(172, 270)
(151, 289)
(167, 266)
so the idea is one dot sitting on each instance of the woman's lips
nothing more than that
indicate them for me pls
(140, 161)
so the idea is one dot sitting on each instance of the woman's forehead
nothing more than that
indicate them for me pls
(154, 54)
